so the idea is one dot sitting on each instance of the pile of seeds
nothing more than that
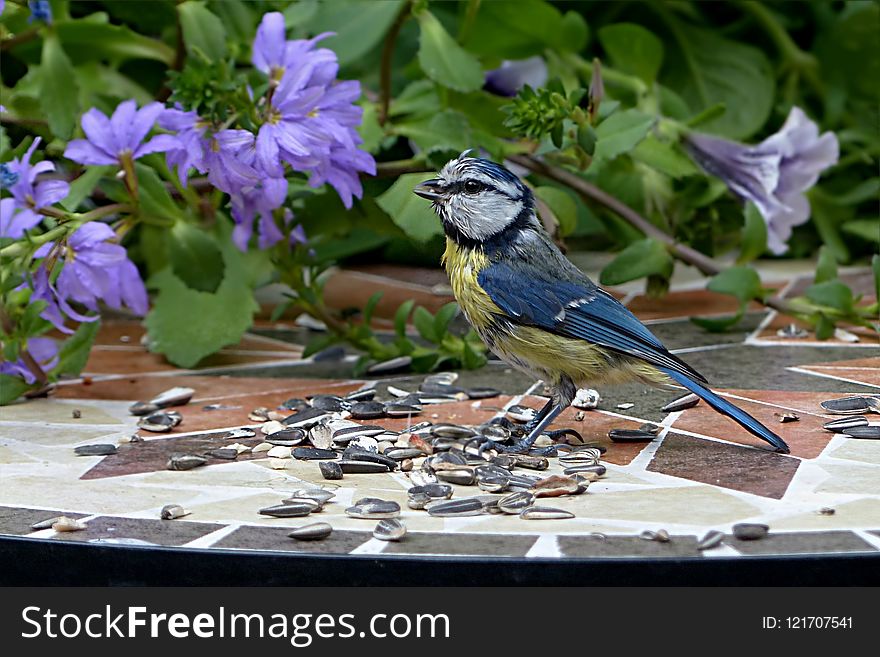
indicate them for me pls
(855, 424)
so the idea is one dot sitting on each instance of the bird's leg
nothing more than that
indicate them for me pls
(539, 422)
(484, 443)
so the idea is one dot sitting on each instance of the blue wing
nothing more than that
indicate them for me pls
(575, 309)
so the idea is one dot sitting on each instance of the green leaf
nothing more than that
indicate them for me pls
(359, 26)
(300, 13)
(754, 236)
(443, 60)
(875, 266)
(741, 282)
(824, 327)
(370, 306)
(706, 69)
(195, 257)
(831, 294)
(83, 187)
(443, 317)
(99, 39)
(74, 352)
(448, 130)
(633, 49)
(413, 214)
(847, 52)
(58, 93)
(665, 158)
(155, 199)
(620, 133)
(574, 33)
(639, 259)
(11, 388)
(471, 357)
(562, 205)
(319, 343)
(401, 316)
(826, 267)
(521, 29)
(867, 229)
(203, 31)
(719, 324)
(186, 325)
(424, 323)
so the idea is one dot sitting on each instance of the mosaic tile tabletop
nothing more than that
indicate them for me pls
(701, 473)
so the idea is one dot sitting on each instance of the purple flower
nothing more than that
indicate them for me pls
(96, 269)
(273, 53)
(40, 11)
(44, 351)
(189, 152)
(774, 174)
(45, 291)
(510, 77)
(119, 138)
(28, 195)
(259, 200)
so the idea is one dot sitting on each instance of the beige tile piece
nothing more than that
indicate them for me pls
(10, 456)
(227, 475)
(40, 435)
(245, 509)
(856, 479)
(55, 411)
(864, 514)
(867, 451)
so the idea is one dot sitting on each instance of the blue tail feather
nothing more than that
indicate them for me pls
(726, 408)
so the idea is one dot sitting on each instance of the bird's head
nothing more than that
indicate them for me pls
(477, 199)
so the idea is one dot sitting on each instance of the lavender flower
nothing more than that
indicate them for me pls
(40, 11)
(259, 200)
(55, 303)
(28, 195)
(273, 54)
(119, 139)
(44, 351)
(96, 269)
(774, 174)
(511, 76)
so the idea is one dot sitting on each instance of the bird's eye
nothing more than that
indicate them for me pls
(472, 186)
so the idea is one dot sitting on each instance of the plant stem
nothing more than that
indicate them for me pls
(395, 168)
(467, 24)
(103, 211)
(29, 360)
(18, 248)
(385, 67)
(686, 254)
(609, 75)
(18, 39)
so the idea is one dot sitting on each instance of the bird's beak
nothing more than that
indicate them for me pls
(430, 189)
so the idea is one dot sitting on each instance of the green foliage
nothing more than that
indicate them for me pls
(74, 353)
(633, 49)
(203, 32)
(443, 60)
(647, 257)
(58, 92)
(412, 214)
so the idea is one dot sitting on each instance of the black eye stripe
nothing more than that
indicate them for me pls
(462, 187)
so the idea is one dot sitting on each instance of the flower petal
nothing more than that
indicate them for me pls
(98, 131)
(158, 144)
(268, 157)
(50, 191)
(121, 123)
(85, 152)
(269, 44)
(144, 120)
(89, 234)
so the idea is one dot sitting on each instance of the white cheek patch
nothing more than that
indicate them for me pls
(484, 215)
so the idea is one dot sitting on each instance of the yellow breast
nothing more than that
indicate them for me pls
(462, 266)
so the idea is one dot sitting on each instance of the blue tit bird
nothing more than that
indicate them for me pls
(535, 309)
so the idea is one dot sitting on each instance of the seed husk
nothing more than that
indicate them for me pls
(625, 406)
(586, 398)
(531, 462)
(630, 436)
(871, 432)
(295, 404)
(392, 365)
(243, 432)
(160, 421)
(95, 450)
(262, 447)
(185, 461)
(306, 418)
(347, 434)
(434, 491)
(494, 483)
(544, 513)
(787, 417)
(403, 453)
(317, 505)
(842, 424)
(172, 511)
(597, 469)
(321, 436)
(367, 410)
(313, 532)
(661, 535)
(374, 509)
(417, 501)
(455, 508)
(365, 444)
(681, 403)
(320, 495)
(712, 539)
(259, 414)
(226, 453)
(177, 396)
(482, 393)
(402, 410)
(520, 413)
(332, 403)
(462, 476)
(855, 405)
(65, 524)
(45, 524)
(650, 427)
(271, 427)
(367, 394)
(792, 331)
(142, 408)
(313, 454)
(330, 469)
(279, 452)
(296, 510)
(827, 511)
(555, 486)
(366, 456)
(514, 503)
(359, 467)
(389, 529)
(422, 477)
(750, 531)
(278, 464)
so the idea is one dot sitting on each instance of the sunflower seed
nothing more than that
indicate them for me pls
(402, 410)
(792, 331)
(362, 455)
(297, 510)
(856, 405)
(313, 454)
(367, 394)
(374, 509)
(320, 495)
(827, 511)
(313, 532)
(259, 414)
(596, 469)
(505, 461)
(95, 450)
(712, 539)
(172, 511)
(244, 432)
(455, 508)
(845, 336)
(446, 461)
(316, 505)
(453, 431)
(286, 437)
(364, 443)
(390, 529)
(417, 501)
(630, 436)
(625, 406)
(434, 491)
(306, 418)
(661, 535)
(531, 462)
(520, 413)
(482, 393)
(279, 452)
(554, 486)
(399, 363)
(749, 531)
(681, 403)
(347, 434)
(842, 424)
(142, 408)
(160, 421)
(185, 462)
(295, 404)
(367, 410)
(438, 388)
(786, 417)
(514, 503)
(403, 453)
(65, 524)
(871, 432)
(463, 476)
(359, 467)
(330, 403)
(177, 396)
(544, 513)
(586, 398)
(226, 453)
(330, 469)
(651, 428)
(442, 378)
(321, 436)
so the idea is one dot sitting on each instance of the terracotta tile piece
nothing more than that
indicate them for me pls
(749, 470)
(685, 303)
